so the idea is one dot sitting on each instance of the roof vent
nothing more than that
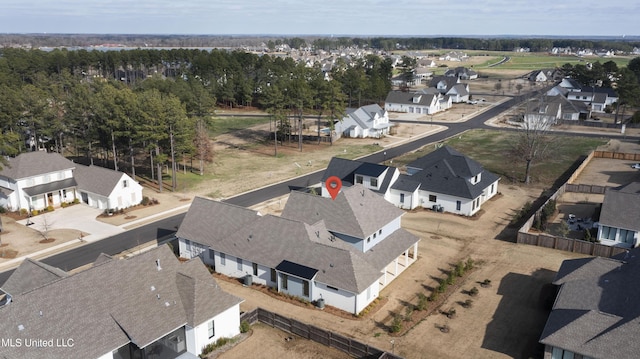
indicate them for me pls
(166, 304)
(158, 264)
(331, 265)
(153, 288)
(318, 234)
(158, 296)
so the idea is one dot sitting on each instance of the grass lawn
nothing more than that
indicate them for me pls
(492, 149)
(221, 125)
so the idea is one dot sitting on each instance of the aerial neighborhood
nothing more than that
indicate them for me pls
(327, 198)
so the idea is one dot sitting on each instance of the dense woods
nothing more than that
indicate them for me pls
(120, 104)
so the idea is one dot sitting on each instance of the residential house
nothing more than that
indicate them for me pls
(366, 121)
(445, 180)
(539, 76)
(594, 314)
(459, 93)
(542, 114)
(36, 180)
(618, 224)
(104, 188)
(443, 83)
(597, 98)
(424, 102)
(149, 305)
(373, 176)
(462, 73)
(340, 252)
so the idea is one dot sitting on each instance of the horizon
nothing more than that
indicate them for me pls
(358, 18)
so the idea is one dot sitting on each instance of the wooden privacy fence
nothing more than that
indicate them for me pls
(331, 339)
(569, 244)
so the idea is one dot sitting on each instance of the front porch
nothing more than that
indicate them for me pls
(399, 265)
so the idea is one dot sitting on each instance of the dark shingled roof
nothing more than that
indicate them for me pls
(297, 270)
(30, 275)
(621, 207)
(447, 171)
(95, 179)
(596, 313)
(346, 170)
(406, 98)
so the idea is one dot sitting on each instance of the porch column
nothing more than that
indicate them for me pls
(406, 258)
(415, 251)
(395, 271)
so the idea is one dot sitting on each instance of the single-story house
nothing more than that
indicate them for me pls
(462, 73)
(595, 314)
(445, 180)
(149, 305)
(363, 122)
(339, 252)
(618, 224)
(36, 180)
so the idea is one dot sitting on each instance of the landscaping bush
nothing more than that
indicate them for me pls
(23, 212)
(408, 312)
(433, 296)
(35, 212)
(396, 325)
(423, 302)
(145, 201)
(76, 201)
(468, 264)
(451, 278)
(442, 287)
(244, 326)
(49, 209)
(459, 269)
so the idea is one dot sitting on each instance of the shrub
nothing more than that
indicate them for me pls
(396, 325)
(451, 278)
(422, 302)
(459, 270)
(49, 209)
(244, 326)
(468, 264)
(408, 312)
(35, 212)
(473, 292)
(23, 211)
(64, 204)
(442, 287)
(76, 201)
(3, 209)
(433, 296)
(145, 201)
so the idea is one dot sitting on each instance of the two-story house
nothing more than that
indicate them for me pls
(426, 102)
(366, 121)
(376, 177)
(36, 180)
(147, 306)
(340, 252)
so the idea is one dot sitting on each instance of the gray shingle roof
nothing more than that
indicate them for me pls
(96, 179)
(30, 275)
(365, 115)
(356, 211)
(595, 313)
(36, 163)
(621, 207)
(347, 169)
(111, 304)
(268, 240)
(447, 171)
(406, 98)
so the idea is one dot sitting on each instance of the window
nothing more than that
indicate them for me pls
(359, 179)
(223, 259)
(239, 263)
(626, 236)
(374, 235)
(380, 231)
(432, 198)
(255, 268)
(401, 197)
(125, 184)
(212, 329)
(368, 239)
(458, 205)
(374, 182)
(558, 353)
(285, 281)
(492, 188)
(305, 288)
(274, 276)
(212, 254)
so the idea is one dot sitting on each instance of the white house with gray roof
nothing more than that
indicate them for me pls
(445, 180)
(376, 177)
(147, 306)
(596, 312)
(366, 121)
(426, 102)
(341, 252)
(36, 180)
(618, 224)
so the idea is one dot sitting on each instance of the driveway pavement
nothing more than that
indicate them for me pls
(80, 217)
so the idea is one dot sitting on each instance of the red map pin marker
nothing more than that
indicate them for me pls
(333, 184)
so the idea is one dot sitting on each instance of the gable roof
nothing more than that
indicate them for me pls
(406, 98)
(112, 304)
(35, 163)
(621, 206)
(98, 180)
(30, 275)
(356, 211)
(592, 314)
(447, 171)
(346, 170)
(365, 115)
(449, 81)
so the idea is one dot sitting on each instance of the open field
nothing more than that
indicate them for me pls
(493, 148)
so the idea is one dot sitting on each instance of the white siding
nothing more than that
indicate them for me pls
(226, 325)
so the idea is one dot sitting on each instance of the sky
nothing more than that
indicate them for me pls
(323, 17)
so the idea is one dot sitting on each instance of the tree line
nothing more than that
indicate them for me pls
(159, 102)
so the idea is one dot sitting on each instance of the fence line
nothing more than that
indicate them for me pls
(331, 339)
(569, 244)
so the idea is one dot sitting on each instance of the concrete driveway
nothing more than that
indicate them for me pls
(80, 217)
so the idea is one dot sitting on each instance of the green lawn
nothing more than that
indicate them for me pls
(492, 149)
(220, 125)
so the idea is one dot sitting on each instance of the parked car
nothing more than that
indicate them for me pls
(636, 166)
